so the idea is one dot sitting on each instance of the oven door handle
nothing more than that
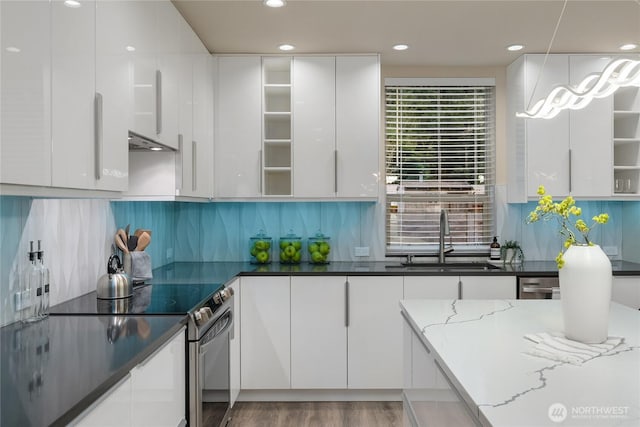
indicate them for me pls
(541, 290)
(208, 341)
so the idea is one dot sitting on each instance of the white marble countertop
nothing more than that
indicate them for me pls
(480, 346)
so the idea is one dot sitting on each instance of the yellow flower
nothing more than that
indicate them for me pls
(581, 226)
(565, 212)
(575, 211)
(603, 218)
(560, 260)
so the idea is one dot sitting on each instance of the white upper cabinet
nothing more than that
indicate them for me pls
(185, 121)
(358, 126)
(65, 101)
(538, 149)
(74, 148)
(571, 153)
(168, 62)
(314, 126)
(89, 69)
(156, 68)
(25, 93)
(238, 108)
(590, 132)
(113, 64)
(320, 135)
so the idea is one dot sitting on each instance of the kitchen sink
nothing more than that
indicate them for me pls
(446, 266)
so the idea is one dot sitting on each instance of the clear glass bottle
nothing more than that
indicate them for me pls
(44, 275)
(32, 291)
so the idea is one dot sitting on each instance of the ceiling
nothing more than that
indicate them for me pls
(439, 33)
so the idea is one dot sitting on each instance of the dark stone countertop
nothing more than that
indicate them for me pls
(222, 272)
(54, 369)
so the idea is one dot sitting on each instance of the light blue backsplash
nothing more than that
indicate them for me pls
(14, 212)
(221, 231)
(159, 217)
(631, 228)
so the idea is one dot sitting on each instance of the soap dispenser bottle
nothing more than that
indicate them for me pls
(494, 253)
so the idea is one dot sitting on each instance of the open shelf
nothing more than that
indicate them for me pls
(626, 142)
(277, 126)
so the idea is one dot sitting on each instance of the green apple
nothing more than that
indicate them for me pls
(297, 244)
(290, 251)
(324, 248)
(297, 257)
(254, 251)
(284, 256)
(317, 257)
(262, 257)
(283, 244)
(313, 248)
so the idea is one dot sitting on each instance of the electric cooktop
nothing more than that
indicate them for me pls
(160, 299)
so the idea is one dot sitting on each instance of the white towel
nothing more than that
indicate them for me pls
(554, 346)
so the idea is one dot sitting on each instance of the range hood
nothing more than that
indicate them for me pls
(139, 142)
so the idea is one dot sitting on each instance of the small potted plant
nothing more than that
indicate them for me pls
(511, 252)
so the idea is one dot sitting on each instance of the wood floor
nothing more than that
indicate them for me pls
(316, 414)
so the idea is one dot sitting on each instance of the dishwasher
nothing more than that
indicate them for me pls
(538, 288)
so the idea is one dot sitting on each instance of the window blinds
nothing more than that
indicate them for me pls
(439, 150)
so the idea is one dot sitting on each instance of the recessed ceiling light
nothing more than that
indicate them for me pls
(274, 3)
(515, 47)
(130, 49)
(286, 47)
(155, 149)
(401, 47)
(628, 46)
(12, 49)
(72, 3)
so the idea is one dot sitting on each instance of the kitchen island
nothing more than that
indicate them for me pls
(465, 364)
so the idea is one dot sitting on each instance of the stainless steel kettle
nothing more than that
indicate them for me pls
(116, 283)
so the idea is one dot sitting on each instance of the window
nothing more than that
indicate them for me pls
(439, 151)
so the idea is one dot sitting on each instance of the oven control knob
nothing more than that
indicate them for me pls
(203, 315)
(222, 296)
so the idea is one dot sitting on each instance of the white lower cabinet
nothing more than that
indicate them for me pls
(318, 332)
(433, 287)
(113, 409)
(234, 344)
(626, 291)
(374, 331)
(488, 287)
(152, 394)
(265, 333)
(158, 386)
(427, 397)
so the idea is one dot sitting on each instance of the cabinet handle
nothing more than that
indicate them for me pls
(194, 164)
(180, 159)
(459, 288)
(570, 161)
(97, 128)
(158, 102)
(260, 169)
(346, 303)
(335, 171)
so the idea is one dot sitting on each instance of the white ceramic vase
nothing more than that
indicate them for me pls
(585, 293)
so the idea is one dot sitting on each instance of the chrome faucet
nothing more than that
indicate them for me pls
(444, 231)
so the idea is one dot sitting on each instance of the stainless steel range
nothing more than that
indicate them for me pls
(209, 331)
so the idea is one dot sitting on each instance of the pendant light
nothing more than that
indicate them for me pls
(620, 72)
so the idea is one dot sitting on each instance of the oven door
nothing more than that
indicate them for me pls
(210, 393)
